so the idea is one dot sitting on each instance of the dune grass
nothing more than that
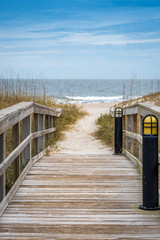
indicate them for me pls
(16, 91)
(105, 130)
(153, 98)
(105, 123)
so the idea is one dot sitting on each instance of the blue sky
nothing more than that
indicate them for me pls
(76, 39)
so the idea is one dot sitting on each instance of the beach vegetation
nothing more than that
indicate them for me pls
(153, 98)
(105, 129)
(16, 91)
(105, 123)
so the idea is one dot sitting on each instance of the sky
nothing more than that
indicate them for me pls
(80, 39)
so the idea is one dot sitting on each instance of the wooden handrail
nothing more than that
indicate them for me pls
(43, 121)
(133, 135)
(12, 115)
(142, 109)
(7, 162)
(132, 129)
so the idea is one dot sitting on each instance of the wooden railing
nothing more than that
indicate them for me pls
(32, 127)
(132, 129)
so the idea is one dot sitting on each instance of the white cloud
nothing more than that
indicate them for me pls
(101, 40)
(30, 52)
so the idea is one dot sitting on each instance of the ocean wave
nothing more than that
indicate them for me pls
(94, 98)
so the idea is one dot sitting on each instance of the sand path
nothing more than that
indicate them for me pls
(79, 139)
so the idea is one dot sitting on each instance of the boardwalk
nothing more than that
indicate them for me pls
(80, 197)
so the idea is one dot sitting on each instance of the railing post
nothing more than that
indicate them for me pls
(140, 132)
(118, 130)
(150, 163)
(134, 129)
(41, 140)
(51, 125)
(2, 157)
(127, 139)
(54, 120)
(123, 136)
(128, 128)
(47, 125)
(16, 142)
(26, 130)
(36, 127)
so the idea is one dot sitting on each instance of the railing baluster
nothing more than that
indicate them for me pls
(2, 157)
(51, 125)
(140, 132)
(47, 125)
(16, 141)
(55, 121)
(134, 130)
(127, 128)
(41, 140)
(36, 122)
(26, 130)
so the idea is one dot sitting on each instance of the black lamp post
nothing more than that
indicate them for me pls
(118, 130)
(150, 163)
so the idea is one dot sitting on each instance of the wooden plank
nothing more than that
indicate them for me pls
(41, 140)
(142, 108)
(47, 125)
(18, 182)
(35, 127)
(133, 135)
(16, 142)
(80, 197)
(140, 143)
(2, 157)
(146, 108)
(134, 129)
(14, 114)
(133, 158)
(51, 135)
(7, 162)
(130, 110)
(26, 131)
(47, 111)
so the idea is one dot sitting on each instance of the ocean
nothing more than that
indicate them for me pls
(83, 91)
(92, 91)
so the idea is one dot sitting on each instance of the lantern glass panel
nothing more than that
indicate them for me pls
(150, 125)
(118, 112)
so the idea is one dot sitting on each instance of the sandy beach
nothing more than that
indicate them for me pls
(79, 138)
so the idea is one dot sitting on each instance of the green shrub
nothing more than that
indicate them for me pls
(105, 131)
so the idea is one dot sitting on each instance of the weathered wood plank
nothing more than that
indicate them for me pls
(41, 140)
(40, 109)
(79, 197)
(133, 158)
(47, 125)
(14, 114)
(142, 109)
(7, 162)
(16, 142)
(133, 135)
(26, 131)
(2, 157)
(16, 185)
(35, 127)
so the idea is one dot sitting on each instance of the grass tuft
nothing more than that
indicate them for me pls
(16, 91)
(105, 131)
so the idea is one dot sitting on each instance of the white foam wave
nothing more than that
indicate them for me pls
(94, 98)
